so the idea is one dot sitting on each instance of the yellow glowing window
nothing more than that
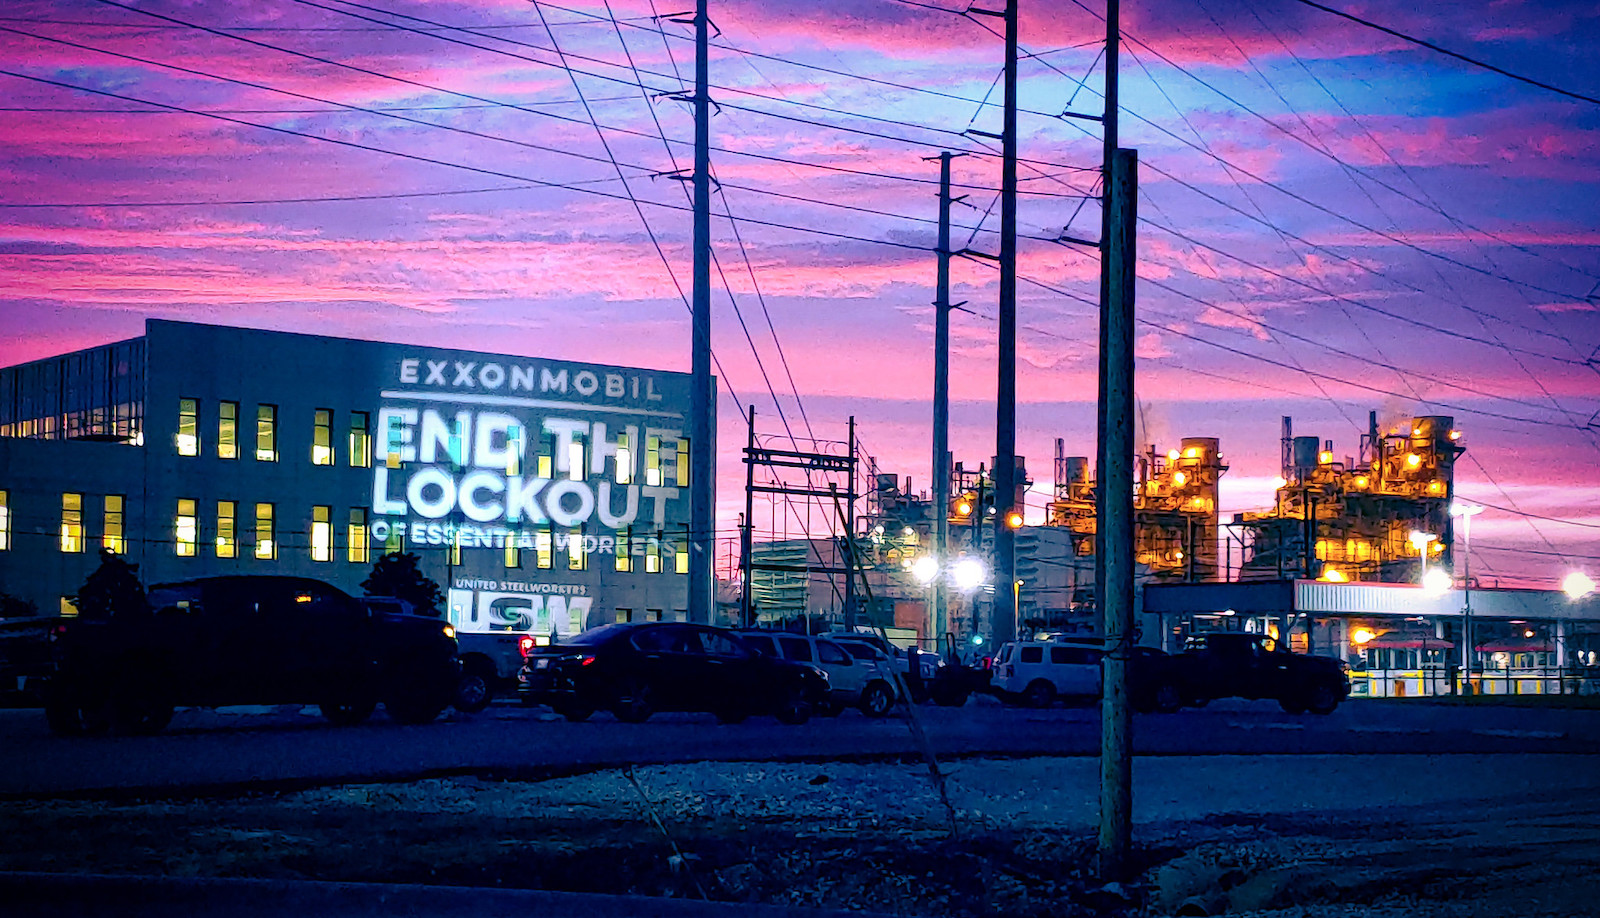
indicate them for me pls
(624, 461)
(454, 548)
(513, 557)
(680, 558)
(322, 437)
(543, 467)
(652, 556)
(71, 522)
(188, 427)
(577, 559)
(5, 520)
(357, 551)
(360, 447)
(267, 433)
(624, 560)
(652, 460)
(227, 430)
(543, 547)
(683, 463)
(266, 542)
(186, 528)
(227, 532)
(112, 538)
(321, 533)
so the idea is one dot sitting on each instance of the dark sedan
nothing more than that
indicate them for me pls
(635, 670)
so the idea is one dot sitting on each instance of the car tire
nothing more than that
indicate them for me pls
(474, 691)
(347, 714)
(576, 713)
(635, 702)
(1292, 704)
(794, 709)
(877, 699)
(1039, 694)
(1322, 700)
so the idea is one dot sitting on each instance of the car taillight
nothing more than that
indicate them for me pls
(988, 662)
(525, 644)
(586, 660)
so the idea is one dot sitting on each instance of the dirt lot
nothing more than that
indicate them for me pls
(875, 837)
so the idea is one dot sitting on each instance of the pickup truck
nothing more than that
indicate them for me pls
(236, 640)
(1242, 665)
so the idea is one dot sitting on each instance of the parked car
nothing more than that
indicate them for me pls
(859, 675)
(1236, 664)
(1037, 673)
(634, 670)
(249, 640)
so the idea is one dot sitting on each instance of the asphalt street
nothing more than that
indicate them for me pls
(255, 748)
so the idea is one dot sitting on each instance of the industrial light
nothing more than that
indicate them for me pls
(1280, 482)
(964, 508)
(877, 530)
(1334, 575)
(1192, 452)
(1228, 612)
(1527, 632)
(1014, 520)
(1413, 460)
(908, 531)
(1172, 455)
(1416, 431)
(1325, 457)
(1577, 585)
(1455, 434)
(1361, 481)
(1437, 582)
(1177, 554)
(1435, 487)
(1178, 478)
(1362, 635)
(968, 573)
(925, 569)
(1420, 539)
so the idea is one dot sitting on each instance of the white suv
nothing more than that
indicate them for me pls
(1036, 673)
(858, 675)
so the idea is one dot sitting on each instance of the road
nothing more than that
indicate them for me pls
(292, 747)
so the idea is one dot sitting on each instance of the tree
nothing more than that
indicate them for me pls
(399, 575)
(114, 587)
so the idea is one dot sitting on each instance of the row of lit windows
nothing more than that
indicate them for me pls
(358, 448)
(227, 542)
(578, 455)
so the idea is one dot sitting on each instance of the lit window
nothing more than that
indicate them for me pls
(357, 552)
(454, 549)
(322, 437)
(227, 536)
(71, 522)
(5, 520)
(513, 449)
(513, 553)
(680, 558)
(188, 427)
(541, 544)
(360, 440)
(321, 533)
(185, 528)
(575, 461)
(266, 544)
(267, 433)
(576, 559)
(113, 538)
(624, 461)
(652, 556)
(228, 430)
(544, 467)
(683, 463)
(652, 460)
(624, 560)
(396, 542)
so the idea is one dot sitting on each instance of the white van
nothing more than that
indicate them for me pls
(1036, 673)
(856, 679)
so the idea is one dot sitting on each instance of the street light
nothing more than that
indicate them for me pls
(968, 574)
(1465, 512)
(1577, 585)
(1436, 582)
(925, 569)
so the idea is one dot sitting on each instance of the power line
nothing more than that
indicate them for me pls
(1448, 53)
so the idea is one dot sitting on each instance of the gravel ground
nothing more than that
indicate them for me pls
(1300, 835)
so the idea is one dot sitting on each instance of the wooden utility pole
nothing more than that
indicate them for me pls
(1114, 535)
(702, 470)
(1005, 438)
(747, 532)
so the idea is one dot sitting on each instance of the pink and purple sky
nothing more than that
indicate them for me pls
(1335, 220)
